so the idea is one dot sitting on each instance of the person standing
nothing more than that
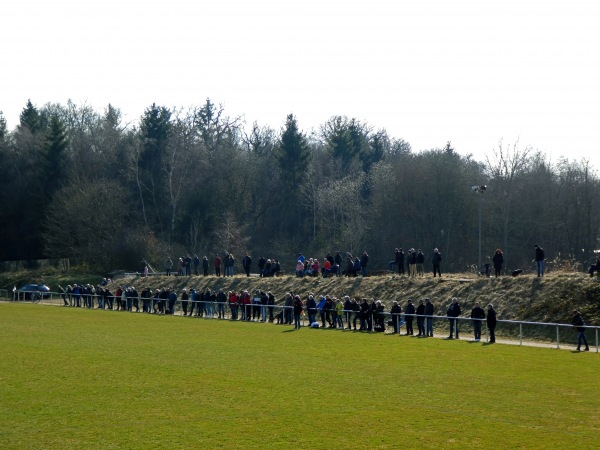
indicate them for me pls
(196, 264)
(261, 266)
(184, 302)
(412, 263)
(491, 322)
(396, 311)
(172, 301)
(168, 266)
(247, 262)
(400, 261)
(437, 261)
(217, 264)
(420, 262)
(297, 311)
(289, 309)
(578, 322)
(364, 260)
(205, 265)
(421, 319)
(409, 316)
(348, 309)
(477, 314)
(338, 262)
(429, 310)
(453, 313)
(498, 260)
(539, 260)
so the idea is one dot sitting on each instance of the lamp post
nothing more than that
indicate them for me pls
(479, 190)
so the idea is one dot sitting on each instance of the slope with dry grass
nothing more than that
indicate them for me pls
(548, 299)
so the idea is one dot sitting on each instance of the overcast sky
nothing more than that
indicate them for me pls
(428, 71)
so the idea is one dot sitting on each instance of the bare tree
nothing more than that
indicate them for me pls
(504, 166)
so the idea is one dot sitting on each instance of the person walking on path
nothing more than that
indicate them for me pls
(578, 322)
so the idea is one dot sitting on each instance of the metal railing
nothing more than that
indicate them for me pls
(558, 335)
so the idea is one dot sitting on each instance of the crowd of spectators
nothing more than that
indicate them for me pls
(316, 311)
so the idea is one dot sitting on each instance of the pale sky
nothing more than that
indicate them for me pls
(428, 71)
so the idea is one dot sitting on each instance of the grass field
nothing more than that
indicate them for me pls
(75, 378)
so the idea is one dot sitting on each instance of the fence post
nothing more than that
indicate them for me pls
(596, 340)
(520, 334)
(557, 338)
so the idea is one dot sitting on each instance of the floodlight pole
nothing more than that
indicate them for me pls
(480, 203)
(479, 190)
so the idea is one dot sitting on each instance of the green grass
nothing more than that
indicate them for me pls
(75, 378)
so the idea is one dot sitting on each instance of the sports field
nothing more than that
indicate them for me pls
(76, 378)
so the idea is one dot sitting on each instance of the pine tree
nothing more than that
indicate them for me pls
(54, 157)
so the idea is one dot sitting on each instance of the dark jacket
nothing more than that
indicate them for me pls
(491, 318)
(498, 259)
(577, 320)
(477, 313)
(539, 254)
(454, 310)
(429, 309)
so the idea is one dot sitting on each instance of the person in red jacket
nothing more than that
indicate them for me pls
(217, 265)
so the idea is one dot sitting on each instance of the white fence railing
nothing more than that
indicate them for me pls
(557, 335)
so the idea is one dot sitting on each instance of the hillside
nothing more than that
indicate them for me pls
(521, 298)
(550, 299)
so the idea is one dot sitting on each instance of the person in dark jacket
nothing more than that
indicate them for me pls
(396, 311)
(578, 322)
(420, 263)
(205, 265)
(196, 261)
(379, 317)
(437, 261)
(338, 262)
(246, 263)
(539, 260)
(491, 322)
(365, 312)
(297, 311)
(409, 312)
(421, 319)
(364, 260)
(453, 313)
(477, 314)
(498, 260)
(429, 310)
(261, 266)
(271, 305)
(412, 263)
(400, 261)
(184, 302)
(357, 313)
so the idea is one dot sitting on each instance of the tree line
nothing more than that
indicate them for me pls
(83, 184)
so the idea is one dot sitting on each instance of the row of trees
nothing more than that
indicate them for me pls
(82, 184)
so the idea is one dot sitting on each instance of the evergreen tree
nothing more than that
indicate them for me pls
(30, 118)
(292, 157)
